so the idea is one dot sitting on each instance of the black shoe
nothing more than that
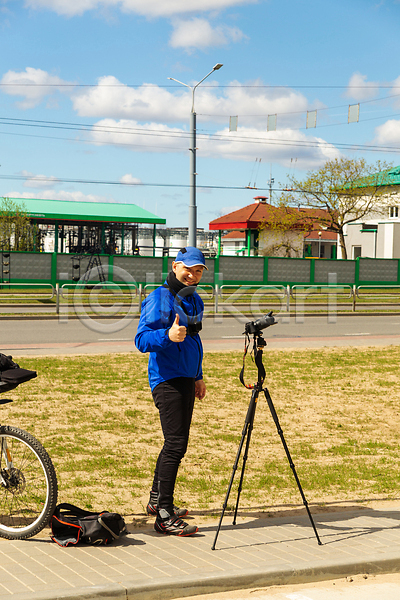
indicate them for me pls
(173, 525)
(151, 508)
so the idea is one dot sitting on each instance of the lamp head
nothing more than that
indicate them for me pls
(218, 66)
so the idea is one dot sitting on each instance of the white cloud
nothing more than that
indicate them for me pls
(32, 84)
(277, 147)
(129, 179)
(198, 33)
(150, 137)
(360, 89)
(60, 195)
(36, 181)
(111, 99)
(149, 8)
(388, 133)
(244, 144)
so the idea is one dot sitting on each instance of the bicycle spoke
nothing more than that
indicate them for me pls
(28, 492)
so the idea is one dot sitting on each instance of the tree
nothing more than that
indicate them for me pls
(348, 189)
(16, 231)
(283, 229)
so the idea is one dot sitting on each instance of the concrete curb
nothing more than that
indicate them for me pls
(188, 586)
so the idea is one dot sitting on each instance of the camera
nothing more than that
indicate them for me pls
(261, 323)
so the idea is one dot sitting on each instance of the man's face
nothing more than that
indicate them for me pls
(187, 275)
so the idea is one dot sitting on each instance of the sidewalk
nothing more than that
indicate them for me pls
(256, 552)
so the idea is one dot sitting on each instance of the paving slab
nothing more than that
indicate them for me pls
(256, 552)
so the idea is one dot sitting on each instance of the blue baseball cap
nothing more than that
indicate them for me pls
(191, 257)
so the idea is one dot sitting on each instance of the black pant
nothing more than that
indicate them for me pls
(175, 400)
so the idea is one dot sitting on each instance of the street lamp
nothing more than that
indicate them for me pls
(192, 149)
(319, 244)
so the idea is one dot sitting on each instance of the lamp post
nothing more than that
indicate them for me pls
(319, 244)
(192, 149)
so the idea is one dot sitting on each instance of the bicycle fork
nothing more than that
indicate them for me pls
(8, 463)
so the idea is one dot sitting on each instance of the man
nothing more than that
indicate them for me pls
(169, 327)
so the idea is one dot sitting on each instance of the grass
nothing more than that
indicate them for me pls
(339, 410)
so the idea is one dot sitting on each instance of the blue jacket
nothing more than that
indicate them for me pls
(170, 359)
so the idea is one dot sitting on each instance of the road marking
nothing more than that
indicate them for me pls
(114, 339)
(232, 337)
(357, 334)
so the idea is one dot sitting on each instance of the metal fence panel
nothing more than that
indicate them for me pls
(241, 268)
(141, 268)
(66, 262)
(289, 270)
(345, 271)
(26, 265)
(377, 269)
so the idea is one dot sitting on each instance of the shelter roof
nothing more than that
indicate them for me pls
(65, 210)
(250, 216)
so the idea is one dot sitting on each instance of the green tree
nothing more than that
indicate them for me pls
(348, 189)
(16, 231)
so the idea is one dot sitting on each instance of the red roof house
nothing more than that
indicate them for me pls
(257, 216)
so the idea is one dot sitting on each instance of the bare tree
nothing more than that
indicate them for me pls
(348, 189)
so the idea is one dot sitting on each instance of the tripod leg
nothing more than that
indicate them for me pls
(276, 420)
(248, 420)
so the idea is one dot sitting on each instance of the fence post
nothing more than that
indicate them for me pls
(354, 299)
(140, 297)
(57, 298)
(216, 297)
(288, 298)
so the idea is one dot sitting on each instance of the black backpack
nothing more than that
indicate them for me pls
(70, 525)
(11, 375)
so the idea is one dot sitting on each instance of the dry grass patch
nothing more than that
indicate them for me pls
(338, 408)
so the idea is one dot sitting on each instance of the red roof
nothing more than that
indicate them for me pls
(252, 215)
(234, 235)
(325, 235)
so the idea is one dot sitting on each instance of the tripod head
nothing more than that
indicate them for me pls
(255, 328)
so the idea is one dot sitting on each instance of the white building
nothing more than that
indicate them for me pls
(376, 236)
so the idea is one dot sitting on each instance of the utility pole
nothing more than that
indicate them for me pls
(192, 166)
(271, 182)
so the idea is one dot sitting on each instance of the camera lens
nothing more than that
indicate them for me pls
(261, 323)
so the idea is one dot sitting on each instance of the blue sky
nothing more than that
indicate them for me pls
(85, 95)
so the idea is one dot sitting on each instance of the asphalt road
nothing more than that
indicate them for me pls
(88, 336)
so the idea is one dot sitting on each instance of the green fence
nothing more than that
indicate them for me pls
(53, 268)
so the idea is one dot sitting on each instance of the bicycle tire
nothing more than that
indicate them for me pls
(28, 491)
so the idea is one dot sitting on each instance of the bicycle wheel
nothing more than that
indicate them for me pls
(28, 484)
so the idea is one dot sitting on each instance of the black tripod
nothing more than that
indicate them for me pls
(258, 344)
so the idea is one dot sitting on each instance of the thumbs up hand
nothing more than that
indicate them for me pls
(177, 333)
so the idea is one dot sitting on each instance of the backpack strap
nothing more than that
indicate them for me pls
(70, 510)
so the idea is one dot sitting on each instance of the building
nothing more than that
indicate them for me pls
(378, 234)
(263, 229)
(233, 243)
(87, 227)
(169, 240)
